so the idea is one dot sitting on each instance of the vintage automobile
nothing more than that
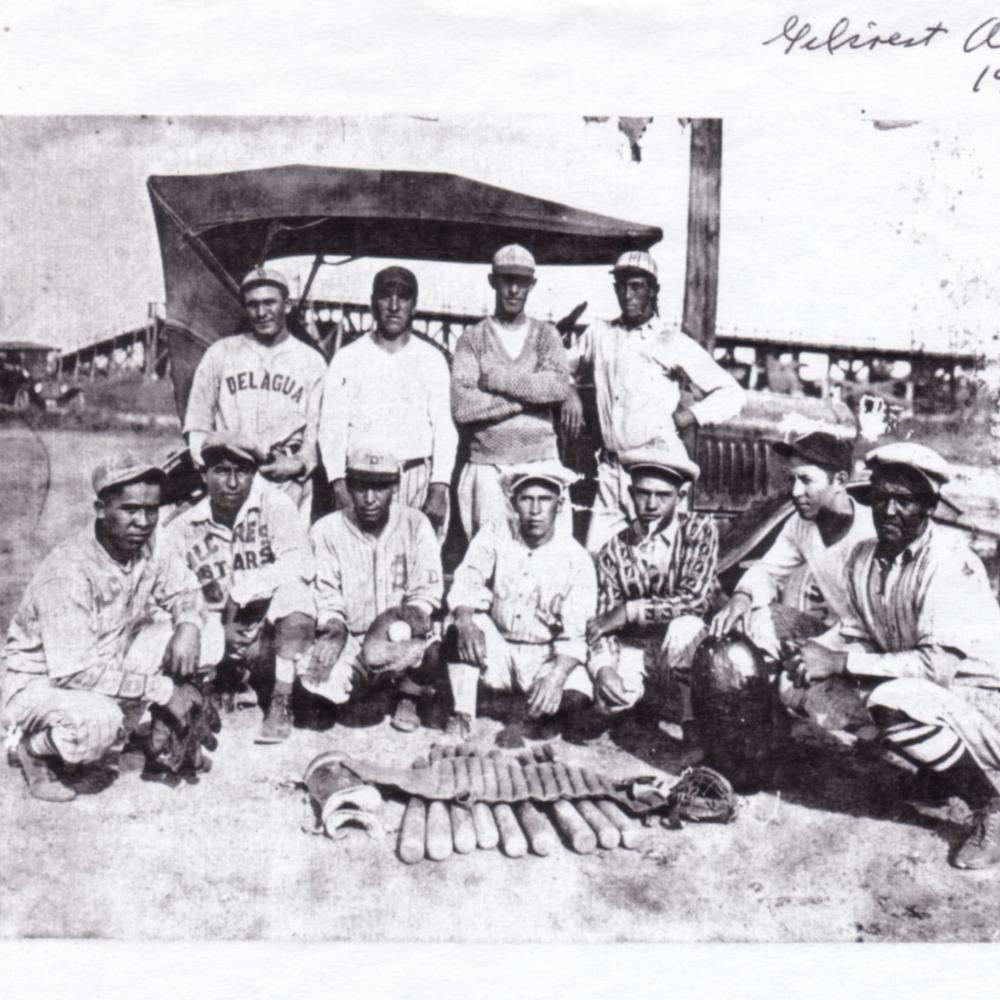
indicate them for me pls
(26, 376)
(213, 228)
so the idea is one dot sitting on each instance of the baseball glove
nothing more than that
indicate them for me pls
(175, 748)
(395, 642)
(701, 795)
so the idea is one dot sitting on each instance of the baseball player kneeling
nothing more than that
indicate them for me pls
(246, 545)
(520, 605)
(378, 581)
(656, 581)
(110, 624)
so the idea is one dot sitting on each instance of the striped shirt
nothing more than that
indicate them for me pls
(360, 575)
(81, 609)
(657, 577)
(266, 547)
(507, 398)
(638, 377)
(928, 614)
(544, 595)
(800, 543)
(397, 401)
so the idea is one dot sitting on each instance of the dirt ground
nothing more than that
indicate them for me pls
(831, 854)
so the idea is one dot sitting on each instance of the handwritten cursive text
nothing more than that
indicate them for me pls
(799, 34)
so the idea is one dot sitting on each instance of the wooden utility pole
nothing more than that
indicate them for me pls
(701, 286)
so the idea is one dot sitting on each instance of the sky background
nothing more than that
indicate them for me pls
(834, 229)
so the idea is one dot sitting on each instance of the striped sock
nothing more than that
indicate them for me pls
(40, 744)
(925, 745)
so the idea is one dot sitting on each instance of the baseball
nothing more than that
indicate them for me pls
(400, 631)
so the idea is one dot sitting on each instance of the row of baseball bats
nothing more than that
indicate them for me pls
(436, 829)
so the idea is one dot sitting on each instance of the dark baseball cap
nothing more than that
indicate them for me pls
(819, 448)
(395, 275)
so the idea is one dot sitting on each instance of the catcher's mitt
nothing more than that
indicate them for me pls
(175, 746)
(701, 795)
(396, 642)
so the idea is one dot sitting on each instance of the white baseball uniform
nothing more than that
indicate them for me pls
(264, 556)
(531, 603)
(360, 575)
(79, 648)
(269, 392)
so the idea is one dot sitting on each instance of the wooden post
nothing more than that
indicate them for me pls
(701, 286)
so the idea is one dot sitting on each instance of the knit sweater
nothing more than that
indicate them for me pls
(507, 402)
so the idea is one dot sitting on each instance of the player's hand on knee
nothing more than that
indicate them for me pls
(607, 623)
(436, 505)
(546, 693)
(417, 618)
(183, 652)
(470, 640)
(341, 498)
(325, 654)
(733, 616)
(610, 689)
(571, 416)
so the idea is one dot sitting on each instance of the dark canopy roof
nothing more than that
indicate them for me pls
(213, 228)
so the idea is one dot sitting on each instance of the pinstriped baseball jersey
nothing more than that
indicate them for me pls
(269, 392)
(542, 595)
(266, 547)
(358, 575)
(81, 608)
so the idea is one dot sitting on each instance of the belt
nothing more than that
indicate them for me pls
(413, 463)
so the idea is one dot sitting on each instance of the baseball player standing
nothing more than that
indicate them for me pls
(84, 654)
(509, 374)
(265, 385)
(917, 646)
(639, 366)
(377, 562)
(246, 544)
(390, 391)
(520, 605)
(656, 581)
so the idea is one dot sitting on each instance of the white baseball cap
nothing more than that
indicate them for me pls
(514, 259)
(636, 260)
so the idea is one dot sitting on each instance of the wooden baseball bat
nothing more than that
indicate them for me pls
(512, 840)
(487, 834)
(608, 835)
(439, 838)
(631, 832)
(463, 830)
(574, 827)
(541, 836)
(413, 831)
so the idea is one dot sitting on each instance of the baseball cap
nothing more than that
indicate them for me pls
(552, 472)
(514, 259)
(264, 276)
(636, 260)
(926, 462)
(373, 465)
(818, 448)
(661, 458)
(220, 443)
(121, 468)
(395, 274)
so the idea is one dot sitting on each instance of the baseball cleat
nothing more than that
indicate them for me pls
(277, 726)
(982, 847)
(405, 717)
(43, 782)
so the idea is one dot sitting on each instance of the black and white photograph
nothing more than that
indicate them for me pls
(567, 521)
(458, 520)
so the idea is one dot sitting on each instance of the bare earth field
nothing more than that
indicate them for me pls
(830, 855)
